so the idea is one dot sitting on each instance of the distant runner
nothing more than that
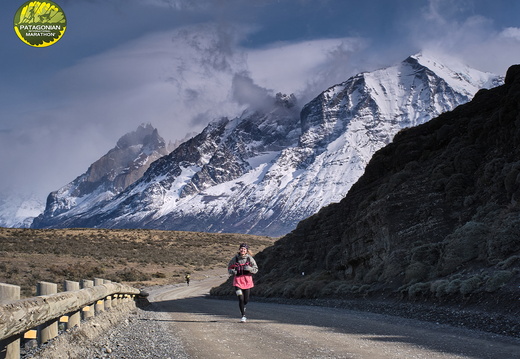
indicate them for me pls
(187, 279)
(242, 266)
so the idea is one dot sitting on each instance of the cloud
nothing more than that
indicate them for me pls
(246, 92)
(453, 27)
(166, 78)
(178, 4)
(177, 80)
(304, 68)
(511, 33)
(189, 76)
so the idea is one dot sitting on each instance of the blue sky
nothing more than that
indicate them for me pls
(179, 64)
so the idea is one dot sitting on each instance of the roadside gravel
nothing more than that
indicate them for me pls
(500, 322)
(115, 334)
(142, 336)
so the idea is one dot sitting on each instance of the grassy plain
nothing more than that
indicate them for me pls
(135, 256)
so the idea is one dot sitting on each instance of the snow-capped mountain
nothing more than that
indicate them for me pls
(264, 171)
(105, 178)
(18, 211)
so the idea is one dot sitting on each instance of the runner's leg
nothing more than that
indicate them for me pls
(246, 296)
(241, 303)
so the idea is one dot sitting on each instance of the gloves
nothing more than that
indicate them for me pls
(248, 268)
(233, 271)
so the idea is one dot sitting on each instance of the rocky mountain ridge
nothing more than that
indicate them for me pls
(105, 178)
(267, 169)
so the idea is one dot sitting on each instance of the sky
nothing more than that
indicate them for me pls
(179, 64)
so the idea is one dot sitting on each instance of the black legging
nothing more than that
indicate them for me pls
(243, 300)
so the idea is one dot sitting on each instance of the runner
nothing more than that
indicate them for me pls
(242, 266)
(187, 279)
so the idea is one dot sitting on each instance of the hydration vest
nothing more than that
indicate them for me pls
(240, 267)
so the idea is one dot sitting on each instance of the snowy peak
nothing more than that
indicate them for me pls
(125, 163)
(267, 169)
(458, 75)
(19, 211)
(409, 93)
(220, 153)
(146, 136)
(107, 177)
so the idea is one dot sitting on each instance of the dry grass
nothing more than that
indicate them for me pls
(137, 257)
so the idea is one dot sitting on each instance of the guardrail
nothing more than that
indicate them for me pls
(38, 317)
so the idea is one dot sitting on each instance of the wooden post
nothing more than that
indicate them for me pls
(88, 312)
(74, 318)
(10, 348)
(100, 304)
(48, 330)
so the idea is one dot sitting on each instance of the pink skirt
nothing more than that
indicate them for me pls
(243, 281)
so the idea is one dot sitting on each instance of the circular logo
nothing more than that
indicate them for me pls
(40, 23)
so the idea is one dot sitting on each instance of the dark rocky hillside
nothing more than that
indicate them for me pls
(435, 218)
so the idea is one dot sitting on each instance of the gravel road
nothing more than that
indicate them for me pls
(182, 322)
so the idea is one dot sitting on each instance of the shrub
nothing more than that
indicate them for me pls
(289, 289)
(456, 186)
(395, 264)
(453, 287)
(330, 289)
(497, 280)
(505, 242)
(364, 289)
(78, 271)
(131, 275)
(417, 272)
(467, 243)
(470, 285)
(426, 253)
(275, 290)
(438, 287)
(312, 289)
(345, 290)
(512, 177)
(513, 261)
(418, 289)
(374, 273)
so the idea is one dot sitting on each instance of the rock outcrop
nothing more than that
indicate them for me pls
(435, 216)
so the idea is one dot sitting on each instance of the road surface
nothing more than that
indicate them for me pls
(210, 328)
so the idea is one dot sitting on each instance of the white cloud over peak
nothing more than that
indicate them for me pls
(304, 67)
(512, 33)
